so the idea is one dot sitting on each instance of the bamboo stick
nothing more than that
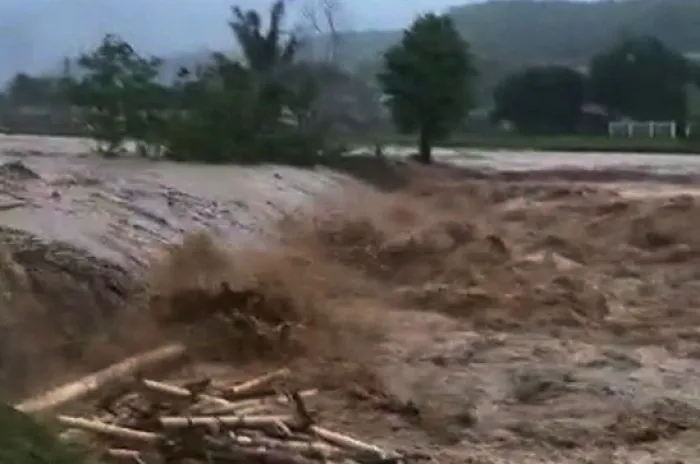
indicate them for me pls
(249, 386)
(256, 436)
(254, 403)
(125, 454)
(230, 421)
(308, 449)
(183, 393)
(94, 382)
(109, 430)
(347, 442)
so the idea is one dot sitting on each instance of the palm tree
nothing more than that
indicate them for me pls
(267, 54)
(264, 52)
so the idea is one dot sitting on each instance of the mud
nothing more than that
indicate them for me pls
(572, 316)
(78, 234)
(475, 318)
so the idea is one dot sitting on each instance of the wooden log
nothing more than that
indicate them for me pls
(127, 455)
(123, 453)
(305, 448)
(94, 382)
(253, 404)
(347, 442)
(109, 430)
(270, 456)
(178, 422)
(251, 385)
(183, 393)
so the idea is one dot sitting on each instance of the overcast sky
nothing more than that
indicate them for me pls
(36, 31)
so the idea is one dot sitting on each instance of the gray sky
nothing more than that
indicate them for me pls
(384, 14)
(35, 32)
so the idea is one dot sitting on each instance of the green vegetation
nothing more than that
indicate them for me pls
(270, 104)
(224, 111)
(642, 78)
(427, 78)
(25, 441)
(508, 35)
(517, 33)
(268, 107)
(638, 78)
(117, 93)
(525, 33)
(543, 99)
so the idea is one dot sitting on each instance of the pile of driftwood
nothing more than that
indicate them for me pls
(257, 421)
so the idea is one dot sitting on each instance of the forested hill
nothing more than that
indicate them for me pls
(509, 34)
(517, 32)
(530, 31)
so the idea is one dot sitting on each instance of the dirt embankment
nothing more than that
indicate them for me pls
(483, 320)
(78, 236)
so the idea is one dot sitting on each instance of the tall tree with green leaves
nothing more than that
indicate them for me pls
(264, 51)
(268, 54)
(641, 78)
(29, 90)
(428, 80)
(233, 110)
(541, 100)
(116, 91)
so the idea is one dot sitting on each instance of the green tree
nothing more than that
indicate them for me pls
(24, 89)
(428, 80)
(117, 92)
(519, 33)
(236, 108)
(641, 78)
(268, 56)
(39, 91)
(265, 52)
(541, 100)
(212, 116)
(258, 108)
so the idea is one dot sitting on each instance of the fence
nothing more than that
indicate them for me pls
(646, 129)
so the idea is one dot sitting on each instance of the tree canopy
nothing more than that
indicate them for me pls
(507, 35)
(641, 78)
(117, 87)
(234, 106)
(541, 100)
(259, 108)
(571, 32)
(428, 80)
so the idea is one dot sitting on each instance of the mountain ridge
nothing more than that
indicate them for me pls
(509, 34)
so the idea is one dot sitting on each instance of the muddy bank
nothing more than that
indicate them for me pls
(78, 235)
(122, 210)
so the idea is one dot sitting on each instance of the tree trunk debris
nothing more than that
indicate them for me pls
(75, 391)
(257, 421)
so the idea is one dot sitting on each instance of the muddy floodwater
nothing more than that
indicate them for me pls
(504, 307)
